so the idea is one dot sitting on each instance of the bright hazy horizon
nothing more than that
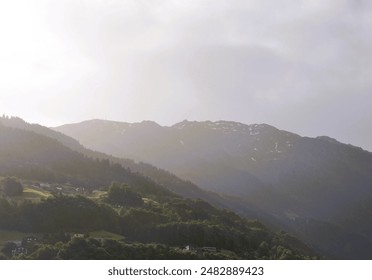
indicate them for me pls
(302, 66)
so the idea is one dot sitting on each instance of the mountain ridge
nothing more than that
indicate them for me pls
(161, 177)
(279, 172)
(158, 215)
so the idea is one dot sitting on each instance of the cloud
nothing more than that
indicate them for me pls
(300, 65)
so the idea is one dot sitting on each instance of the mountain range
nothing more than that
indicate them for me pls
(317, 188)
(140, 169)
(74, 185)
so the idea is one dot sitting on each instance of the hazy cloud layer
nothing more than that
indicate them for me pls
(303, 66)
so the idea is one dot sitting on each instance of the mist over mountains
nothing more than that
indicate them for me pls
(74, 194)
(318, 187)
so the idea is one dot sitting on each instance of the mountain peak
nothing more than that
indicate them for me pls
(327, 138)
(12, 121)
(224, 126)
(149, 123)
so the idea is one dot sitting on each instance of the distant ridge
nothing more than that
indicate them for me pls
(144, 212)
(316, 185)
(161, 177)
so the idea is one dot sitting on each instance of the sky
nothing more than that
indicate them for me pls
(302, 66)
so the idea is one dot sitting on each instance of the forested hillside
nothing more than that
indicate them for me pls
(78, 199)
(161, 177)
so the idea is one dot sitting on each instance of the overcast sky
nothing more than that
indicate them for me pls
(303, 66)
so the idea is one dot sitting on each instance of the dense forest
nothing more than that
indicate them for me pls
(151, 226)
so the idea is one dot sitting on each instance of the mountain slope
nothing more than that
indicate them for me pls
(28, 155)
(209, 147)
(158, 215)
(164, 178)
(291, 177)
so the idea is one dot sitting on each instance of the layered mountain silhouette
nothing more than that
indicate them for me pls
(36, 153)
(140, 169)
(318, 188)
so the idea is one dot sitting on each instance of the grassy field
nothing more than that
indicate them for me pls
(31, 194)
